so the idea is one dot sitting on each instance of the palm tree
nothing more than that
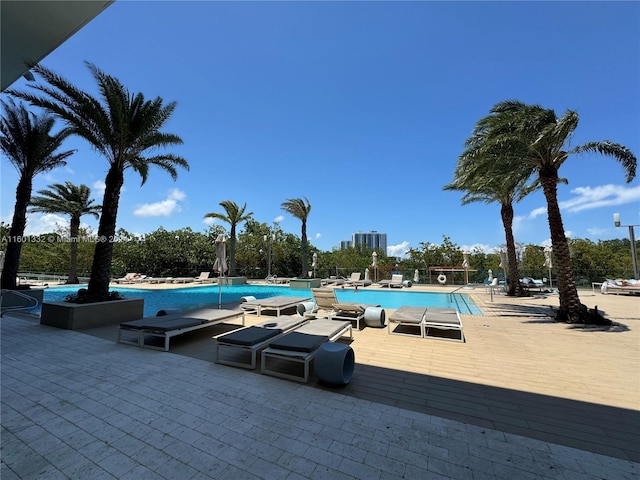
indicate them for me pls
(123, 127)
(71, 200)
(27, 142)
(484, 174)
(546, 154)
(234, 215)
(300, 208)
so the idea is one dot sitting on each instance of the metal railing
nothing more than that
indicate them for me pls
(31, 302)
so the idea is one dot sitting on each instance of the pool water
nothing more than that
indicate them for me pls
(207, 296)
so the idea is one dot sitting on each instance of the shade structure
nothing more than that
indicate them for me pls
(220, 264)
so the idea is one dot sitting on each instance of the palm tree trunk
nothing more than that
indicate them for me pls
(514, 288)
(232, 252)
(305, 260)
(18, 225)
(101, 267)
(74, 229)
(570, 306)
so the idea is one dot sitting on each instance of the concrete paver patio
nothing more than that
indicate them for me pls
(512, 402)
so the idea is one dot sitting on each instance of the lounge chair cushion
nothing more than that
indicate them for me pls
(250, 336)
(299, 342)
(175, 324)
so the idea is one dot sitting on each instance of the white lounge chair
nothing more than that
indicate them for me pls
(326, 300)
(395, 282)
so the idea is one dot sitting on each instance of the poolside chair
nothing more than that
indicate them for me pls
(395, 282)
(156, 332)
(326, 300)
(277, 303)
(204, 278)
(240, 348)
(355, 281)
(432, 322)
(128, 278)
(299, 347)
(493, 287)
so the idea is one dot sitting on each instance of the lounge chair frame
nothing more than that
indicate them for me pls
(429, 320)
(326, 300)
(277, 303)
(301, 358)
(137, 332)
(284, 325)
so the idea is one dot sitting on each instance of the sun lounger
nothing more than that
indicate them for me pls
(354, 281)
(299, 347)
(128, 278)
(431, 322)
(443, 324)
(240, 348)
(395, 282)
(332, 281)
(204, 278)
(278, 303)
(147, 331)
(326, 299)
(621, 286)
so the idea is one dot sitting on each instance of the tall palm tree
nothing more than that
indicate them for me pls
(71, 200)
(233, 216)
(546, 154)
(125, 128)
(484, 173)
(300, 208)
(27, 142)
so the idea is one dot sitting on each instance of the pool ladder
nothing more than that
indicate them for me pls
(30, 302)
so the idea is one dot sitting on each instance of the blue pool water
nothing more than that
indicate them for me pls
(196, 297)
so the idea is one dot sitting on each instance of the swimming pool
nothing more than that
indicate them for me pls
(197, 297)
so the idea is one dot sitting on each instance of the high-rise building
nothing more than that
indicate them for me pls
(369, 240)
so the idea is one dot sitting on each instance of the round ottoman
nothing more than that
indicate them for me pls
(334, 363)
(374, 317)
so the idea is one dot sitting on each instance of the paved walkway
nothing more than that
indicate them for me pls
(82, 407)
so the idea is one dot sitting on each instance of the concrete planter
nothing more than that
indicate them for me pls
(74, 316)
(304, 284)
(233, 280)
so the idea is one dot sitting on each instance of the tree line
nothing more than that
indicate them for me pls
(513, 151)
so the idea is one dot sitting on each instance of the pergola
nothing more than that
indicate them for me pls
(452, 270)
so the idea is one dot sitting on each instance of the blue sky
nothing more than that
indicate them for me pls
(362, 107)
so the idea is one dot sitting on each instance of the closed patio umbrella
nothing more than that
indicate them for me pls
(220, 264)
(465, 265)
(416, 276)
(314, 264)
(504, 262)
(366, 274)
(548, 262)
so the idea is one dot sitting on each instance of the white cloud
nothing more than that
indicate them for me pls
(278, 219)
(482, 246)
(163, 208)
(209, 221)
(588, 198)
(399, 250)
(318, 235)
(98, 188)
(37, 225)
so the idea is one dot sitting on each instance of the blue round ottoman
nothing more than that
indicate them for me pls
(334, 363)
